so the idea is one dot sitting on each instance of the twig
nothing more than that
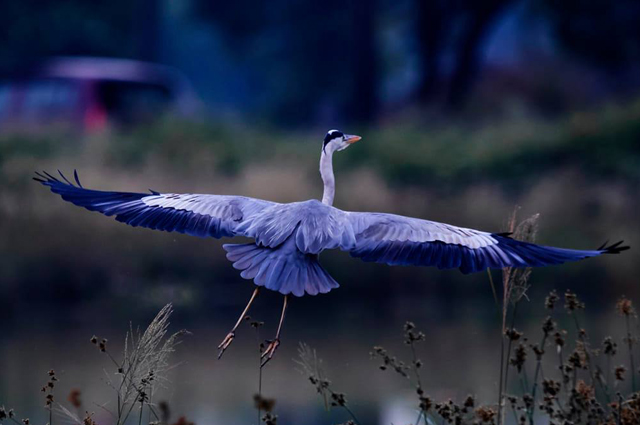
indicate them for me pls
(535, 378)
(631, 359)
(417, 373)
(501, 378)
(259, 372)
(141, 410)
(504, 365)
(493, 290)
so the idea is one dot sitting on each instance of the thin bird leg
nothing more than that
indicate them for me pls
(226, 342)
(275, 342)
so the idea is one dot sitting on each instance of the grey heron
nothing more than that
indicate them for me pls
(289, 237)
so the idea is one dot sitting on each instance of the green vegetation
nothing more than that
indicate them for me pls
(603, 144)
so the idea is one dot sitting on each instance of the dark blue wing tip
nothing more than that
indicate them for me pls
(75, 175)
(40, 178)
(48, 180)
(504, 234)
(615, 248)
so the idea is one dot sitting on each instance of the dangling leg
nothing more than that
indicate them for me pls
(274, 343)
(226, 342)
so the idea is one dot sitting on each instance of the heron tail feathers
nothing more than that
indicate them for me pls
(283, 269)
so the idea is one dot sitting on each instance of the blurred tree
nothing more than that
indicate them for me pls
(457, 28)
(478, 18)
(317, 59)
(604, 33)
(432, 29)
(318, 62)
(147, 29)
(363, 102)
(32, 29)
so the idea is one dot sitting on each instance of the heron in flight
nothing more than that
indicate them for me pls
(289, 237)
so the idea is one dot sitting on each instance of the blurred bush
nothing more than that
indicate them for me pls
(404, 153)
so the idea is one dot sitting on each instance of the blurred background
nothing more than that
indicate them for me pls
(466, 109)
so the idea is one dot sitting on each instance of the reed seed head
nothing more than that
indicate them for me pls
(551, 300)
(88, 419)
(485, 414)
(469, 401)
(571, 302)
(270, 419)
(519, 357)
(74, 398)
(256, 324)
(263, 403)
(513, 334)
(625, 307)
(551, 387)
(548, 326)
(609, 347)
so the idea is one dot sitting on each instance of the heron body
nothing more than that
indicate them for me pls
(289, 237)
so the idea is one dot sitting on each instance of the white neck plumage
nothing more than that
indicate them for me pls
(326, 171)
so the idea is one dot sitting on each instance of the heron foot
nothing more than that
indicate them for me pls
(226, 342)
(268, 353)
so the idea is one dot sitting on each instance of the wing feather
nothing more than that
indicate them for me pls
(398, 240)
(198, 215)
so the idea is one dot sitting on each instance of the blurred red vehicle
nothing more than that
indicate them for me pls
(89, 93)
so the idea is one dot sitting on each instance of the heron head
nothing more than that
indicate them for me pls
(336, 140)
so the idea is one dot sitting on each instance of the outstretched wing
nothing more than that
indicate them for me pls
(398, 240)
(198, 215)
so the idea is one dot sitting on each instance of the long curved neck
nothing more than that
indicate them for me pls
(326, 171)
